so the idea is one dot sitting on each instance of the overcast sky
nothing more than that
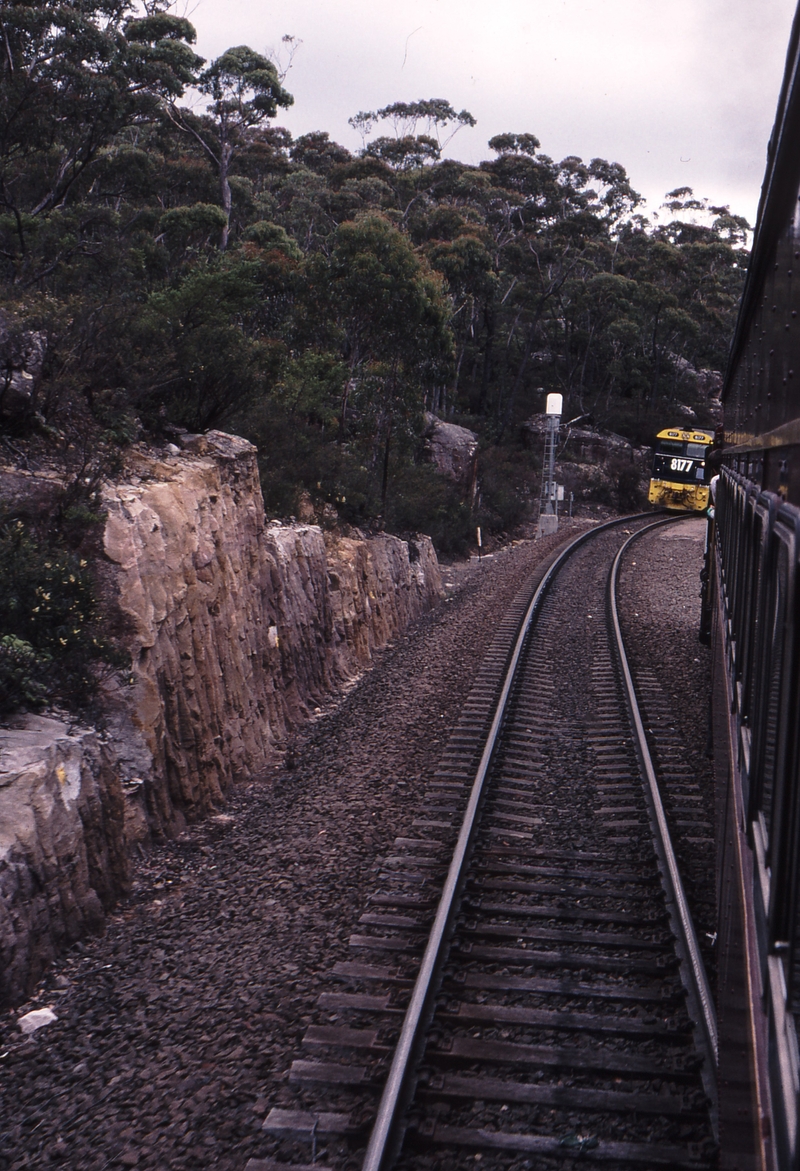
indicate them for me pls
(680, 92)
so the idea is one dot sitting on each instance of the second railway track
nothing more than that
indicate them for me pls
(549, 1006)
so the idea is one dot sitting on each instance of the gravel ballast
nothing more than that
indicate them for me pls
(660, 611)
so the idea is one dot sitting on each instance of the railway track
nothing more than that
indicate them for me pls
(525, 988)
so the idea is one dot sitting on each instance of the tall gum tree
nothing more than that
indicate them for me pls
(388, 315)
(72, 77)
(245, 90)
(422, 130)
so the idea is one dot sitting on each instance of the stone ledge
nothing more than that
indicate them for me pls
(63, 859)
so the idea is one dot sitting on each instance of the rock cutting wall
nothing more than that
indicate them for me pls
(239, 626)
(63, 854)
(237, 629)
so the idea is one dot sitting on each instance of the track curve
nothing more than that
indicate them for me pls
(548, 1018)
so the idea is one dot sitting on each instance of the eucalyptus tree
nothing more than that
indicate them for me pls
(438, 117)
(245, 90)
(72, 77)
(376, 302)
(422, 130)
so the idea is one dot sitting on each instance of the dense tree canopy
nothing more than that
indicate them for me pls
(191, 265)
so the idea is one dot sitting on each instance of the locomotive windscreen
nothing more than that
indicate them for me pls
(678, 461)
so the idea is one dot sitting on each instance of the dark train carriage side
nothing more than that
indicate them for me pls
(762, 388)
(753, 591)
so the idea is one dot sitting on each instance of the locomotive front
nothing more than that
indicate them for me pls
(679, 479)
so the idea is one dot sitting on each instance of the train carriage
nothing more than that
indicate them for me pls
(752, 612)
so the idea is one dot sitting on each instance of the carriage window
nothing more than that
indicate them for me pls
(771, 731)
(753, 589)
(696, 450)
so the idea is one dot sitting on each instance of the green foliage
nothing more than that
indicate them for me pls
(294, 457)
(387, 305)
(311, 389)
(525, 144)
(425, 502)
(191, 227)
(23, 675)
(244, 87)
(51, 638)
(630, 495)
(509, 481)
(70, 81)
(200, 355)
(374, 301)
(405, 153)
(436, 115)
(245, 90)
(201, 268)
(272, 237)
(318, 153)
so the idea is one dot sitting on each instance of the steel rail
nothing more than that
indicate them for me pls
(384, 1140)
(698, 980)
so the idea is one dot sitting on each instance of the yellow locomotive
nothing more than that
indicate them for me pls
(679, 470)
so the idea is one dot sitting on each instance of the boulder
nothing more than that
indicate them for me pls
(454, 452)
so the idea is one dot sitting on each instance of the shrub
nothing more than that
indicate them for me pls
(509, 481)
(50, 623)
(422, 501)
(23, 675)
(631, 496)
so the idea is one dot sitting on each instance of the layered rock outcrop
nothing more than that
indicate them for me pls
(63, 855)
(237, 629)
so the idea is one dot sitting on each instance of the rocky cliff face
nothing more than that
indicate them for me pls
(63, 855)
(239, 626)
(237, 629)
